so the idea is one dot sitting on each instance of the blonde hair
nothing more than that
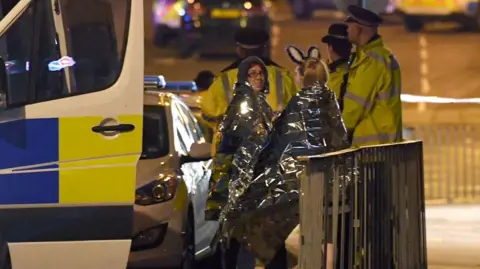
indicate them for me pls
(314, 71)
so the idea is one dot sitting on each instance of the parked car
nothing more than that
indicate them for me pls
(171, 188)
(207, 26)
(167, 20)
(193, 100)
(304, 9)
(417, 13)
(191, 95)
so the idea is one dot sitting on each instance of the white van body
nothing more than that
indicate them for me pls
(71, 105)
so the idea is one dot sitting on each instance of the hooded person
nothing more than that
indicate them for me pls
(250, 41)
(240, 138)
(311, 124)
(242, 133)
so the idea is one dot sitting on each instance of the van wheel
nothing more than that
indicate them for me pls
(162, 36)
(413, 24)
(185, 48)
(473, 24)
(188, 254)
(302, 10)
(5, 262)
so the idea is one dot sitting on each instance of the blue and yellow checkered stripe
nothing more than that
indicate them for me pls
(61, 161)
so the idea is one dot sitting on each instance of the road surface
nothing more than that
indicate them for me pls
(448, 57)
(441, 61)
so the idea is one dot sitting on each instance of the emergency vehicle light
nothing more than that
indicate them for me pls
(158, 83)
(155, 82)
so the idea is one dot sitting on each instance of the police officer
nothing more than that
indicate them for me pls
(203, 80)
(372, 109)
(250, 42)
(339, 50)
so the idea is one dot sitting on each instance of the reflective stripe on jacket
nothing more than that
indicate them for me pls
(372, 106)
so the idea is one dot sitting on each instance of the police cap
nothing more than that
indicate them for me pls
(251, 38)
(363, 16)
(337, 32)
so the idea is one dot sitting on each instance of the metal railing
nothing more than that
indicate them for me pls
(369, 205)
(451, 161)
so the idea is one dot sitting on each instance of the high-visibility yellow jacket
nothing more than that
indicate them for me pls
(372, 107)
(216, 99)
(338, 69)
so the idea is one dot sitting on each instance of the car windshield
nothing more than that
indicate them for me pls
(155, 132)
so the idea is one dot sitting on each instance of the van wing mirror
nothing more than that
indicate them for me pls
(201, 150)
(3, 84)
(198, 152)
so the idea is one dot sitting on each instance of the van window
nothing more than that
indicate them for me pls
(155, 132)
(56, 49)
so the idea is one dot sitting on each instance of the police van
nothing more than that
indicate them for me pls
(418, 12)
(71, 109)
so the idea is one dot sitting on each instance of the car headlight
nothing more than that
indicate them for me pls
(159, 190)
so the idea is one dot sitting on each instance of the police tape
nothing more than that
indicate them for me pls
(409, 98)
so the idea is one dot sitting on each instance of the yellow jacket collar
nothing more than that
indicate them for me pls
(361, 52)
(375, 43)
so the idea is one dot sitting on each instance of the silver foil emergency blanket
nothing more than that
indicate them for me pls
(263, 208)
(242, 135)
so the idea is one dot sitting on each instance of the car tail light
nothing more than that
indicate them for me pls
(251, 9)
(195, 8)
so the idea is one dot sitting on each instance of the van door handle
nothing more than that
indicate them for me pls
(119, 128)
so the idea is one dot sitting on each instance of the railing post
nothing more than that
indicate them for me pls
(311, 187)
(386, 227)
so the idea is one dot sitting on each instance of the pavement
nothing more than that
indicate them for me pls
(453, 236)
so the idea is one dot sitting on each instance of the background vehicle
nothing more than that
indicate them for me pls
(61, 191)
(417, 13)
(172, 185)
(167, 20)
(209, 25)
(304, 9)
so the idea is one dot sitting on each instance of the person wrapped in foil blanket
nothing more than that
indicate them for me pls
(311, 124)
(242, 134)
